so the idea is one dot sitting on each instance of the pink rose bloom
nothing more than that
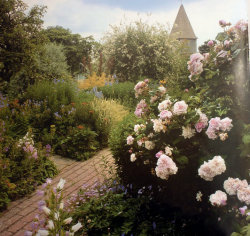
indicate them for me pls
(180, 108)
(211, 134)
(186, 90)
(226, 124)
(219, 198)
(210, 43)
(158, 154)
(138, 112)
(243, 210)
(199, 127)
(223, 23)
(130, 140)
(165, 114)
(215, 123)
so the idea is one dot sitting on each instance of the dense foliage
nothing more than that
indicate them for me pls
(20, 38)
(76, 48)
(138, 49)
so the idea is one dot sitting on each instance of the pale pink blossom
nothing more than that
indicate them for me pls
(164, 105)
(226, 124)
(180, 108)
(140, 88)
(210, 43)
(165, 114)
(243, 210)
(165, 167)
(138, 128)
(158, 154)
(231, 185)
(202, 123)
(158, 126)
(212, 168)
(141, 108)
(219, 198)
(243, 194)
(130, 140)
(162, 90)
(195, 65)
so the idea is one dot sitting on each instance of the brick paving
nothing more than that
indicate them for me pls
(20, 213)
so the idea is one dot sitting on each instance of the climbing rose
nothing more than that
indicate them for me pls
(202, 123)
(158, 154)
(158, 126)
(213, 167)
(195, 65)
(130, 140)
(219, 198)
(141, 108)
(188, 132)
(231, 185)
(138, 127)
(165, 167)
(168, 151)
(140, 88)
(243, 210)
(210, 43)
(180, 108)
(164, 105)
(132, 157)
(243, 194)
(162, 90)
(149, 145)
(165, 114)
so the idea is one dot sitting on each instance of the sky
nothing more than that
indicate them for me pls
(94, 17)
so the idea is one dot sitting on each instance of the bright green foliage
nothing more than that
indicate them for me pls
(123, 92)
(20, 38)
(76, 48)
(51, 62)
(138, 49)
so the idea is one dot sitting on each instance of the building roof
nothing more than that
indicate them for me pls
(182, 26)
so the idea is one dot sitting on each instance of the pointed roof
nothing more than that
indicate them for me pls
(182, 25)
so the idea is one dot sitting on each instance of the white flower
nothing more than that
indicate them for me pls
(42, 232)
(61, 206)
(180, 108)
(213, 167)
(132, 157)
(158, 125)
(57, 215)
(76, 227)
(51, 224)
(188, 132)
(231, 185)
(68, 220)
(243, 194)
(164, 105)
(219, 198)
(137, 128)
(149, 145)
(130, 140)
(165, 167)
(199, 196)
(46, 210)
(168, 151)
(162, 89)
(223, 136)
(61, 183)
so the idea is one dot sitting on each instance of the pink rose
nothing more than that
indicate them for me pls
(165, 114)
(180, 108)
(210, 43)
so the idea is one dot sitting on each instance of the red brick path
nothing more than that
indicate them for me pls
(17, 219)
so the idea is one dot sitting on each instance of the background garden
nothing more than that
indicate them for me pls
(178, 125)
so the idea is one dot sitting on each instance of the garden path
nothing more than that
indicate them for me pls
(20, 213)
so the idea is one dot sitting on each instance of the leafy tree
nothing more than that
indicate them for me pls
(138, 49)
(76, 47)
(51, 62)
(20, 38)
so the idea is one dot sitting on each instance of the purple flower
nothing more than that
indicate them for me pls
(243, 210)
(210, 43)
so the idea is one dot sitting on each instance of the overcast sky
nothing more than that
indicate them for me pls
(93, 17)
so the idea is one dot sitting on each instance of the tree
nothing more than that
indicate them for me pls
(20, 38)
(51, 62)
(137, 50)
(75, 46)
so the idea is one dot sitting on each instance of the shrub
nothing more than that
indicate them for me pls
(138, 50)
(123, 92)
(167, 143)
(23, 166)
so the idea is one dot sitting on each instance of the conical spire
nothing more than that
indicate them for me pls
(182, 26)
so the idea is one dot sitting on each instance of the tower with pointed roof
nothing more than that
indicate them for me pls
(183, 31)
